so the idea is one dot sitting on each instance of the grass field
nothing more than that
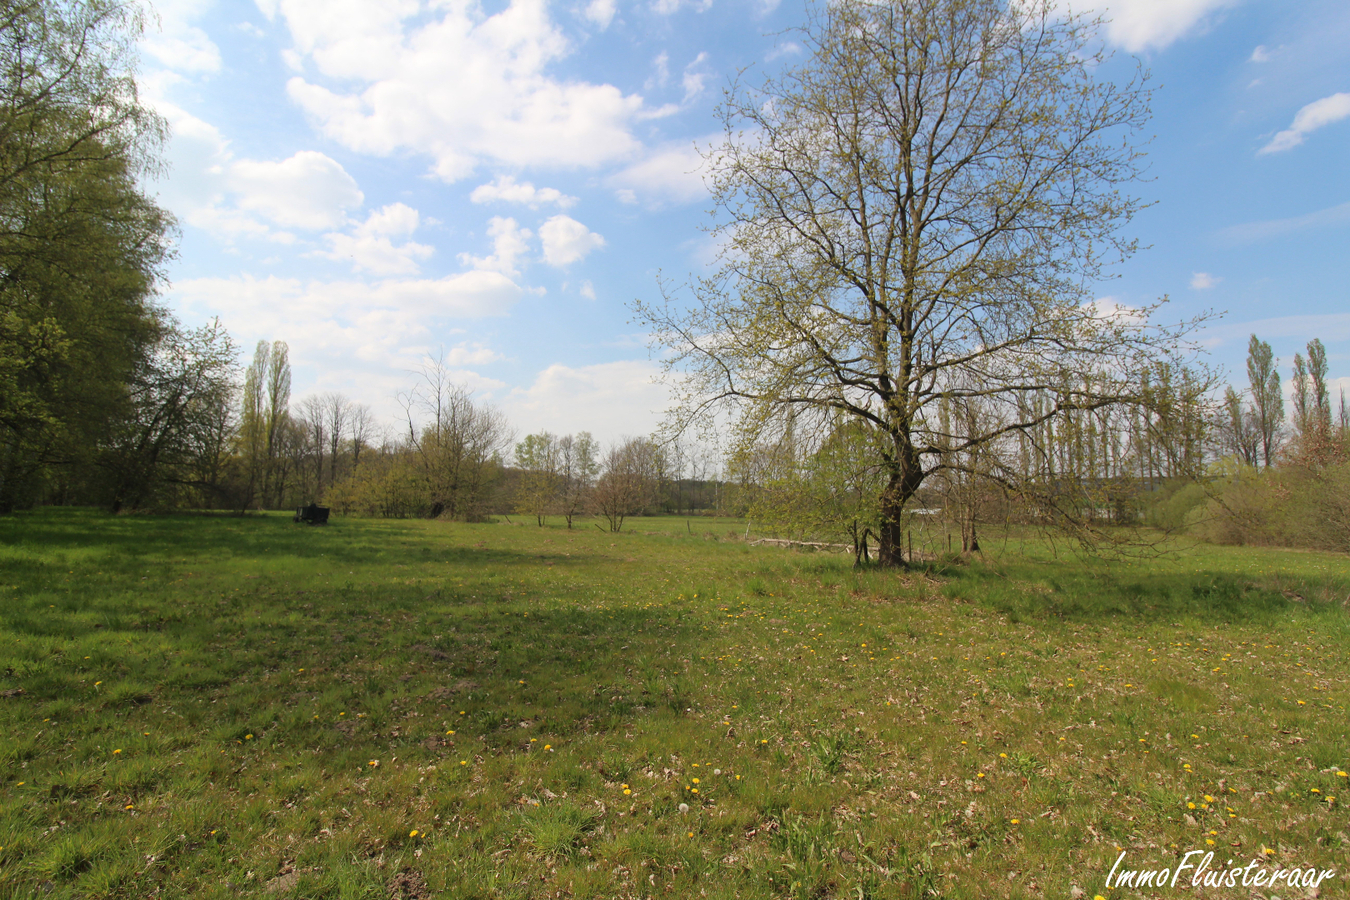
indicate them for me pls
(222, 707)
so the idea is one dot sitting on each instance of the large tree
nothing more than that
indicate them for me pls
(918, 215)
(81, 245)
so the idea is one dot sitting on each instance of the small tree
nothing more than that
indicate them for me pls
(1267, 398)
(577, 468)
(630, 481)
(537, 494)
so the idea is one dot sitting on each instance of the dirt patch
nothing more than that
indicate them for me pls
(408, 885)
(283, 883)
(430, 651)
(450, 690)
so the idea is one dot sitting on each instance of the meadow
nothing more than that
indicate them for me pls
(197, 706)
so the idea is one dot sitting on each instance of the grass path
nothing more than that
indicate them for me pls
(217, 707)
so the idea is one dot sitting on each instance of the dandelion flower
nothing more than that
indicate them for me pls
(1017, 821)
(684, 807)
(414, 833)
(117, 751)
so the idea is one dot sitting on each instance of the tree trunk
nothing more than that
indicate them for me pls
(906, 476)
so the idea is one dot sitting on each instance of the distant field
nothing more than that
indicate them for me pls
(200, 706)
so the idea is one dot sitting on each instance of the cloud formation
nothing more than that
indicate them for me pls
(462, 88)
(672, 173)
(1203, 281)
(567, 241)
(509, 243)
(1140, 25)
(308, 190)
(610, 400)
(370, 247)
(1315, 115)
(506, 189)
(1252, 232)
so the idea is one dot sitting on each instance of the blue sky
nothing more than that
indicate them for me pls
(372, 182)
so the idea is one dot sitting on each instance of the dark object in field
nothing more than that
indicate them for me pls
(312, 515)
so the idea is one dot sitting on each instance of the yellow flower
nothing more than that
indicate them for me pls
(627, 791)
(463, 762)
(695, 781)
(1003, 756)
(1209, 841)
(248, 737)
(413, 833)
(1017, 821)
(117, 751)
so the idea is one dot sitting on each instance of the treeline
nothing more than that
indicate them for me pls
(1069, 463)
(1230, 470)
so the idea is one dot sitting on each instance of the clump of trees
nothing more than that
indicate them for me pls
(1276, 483)
(85, 352)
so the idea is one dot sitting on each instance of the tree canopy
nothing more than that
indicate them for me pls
(81, 245)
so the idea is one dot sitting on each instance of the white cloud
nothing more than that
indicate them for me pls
(1252, 232)
(660, 71)
(365, 335)
(1307, 120)
(509, 242)
(587, 290)
(1259, 55)
(370, 246)
(671, 173)
(1203, 281)
(566, 241)
(461, 88)
(1111, 309)
(507, 190)
(175, 43)
(309, 190)
(600, 13)
(1139, 25)
(670, 7)
(608, 399)
(476, 354)
(693, 80)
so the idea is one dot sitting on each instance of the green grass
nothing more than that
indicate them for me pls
(196, 706)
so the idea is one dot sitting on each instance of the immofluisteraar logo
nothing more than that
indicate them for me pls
(1204, 873)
